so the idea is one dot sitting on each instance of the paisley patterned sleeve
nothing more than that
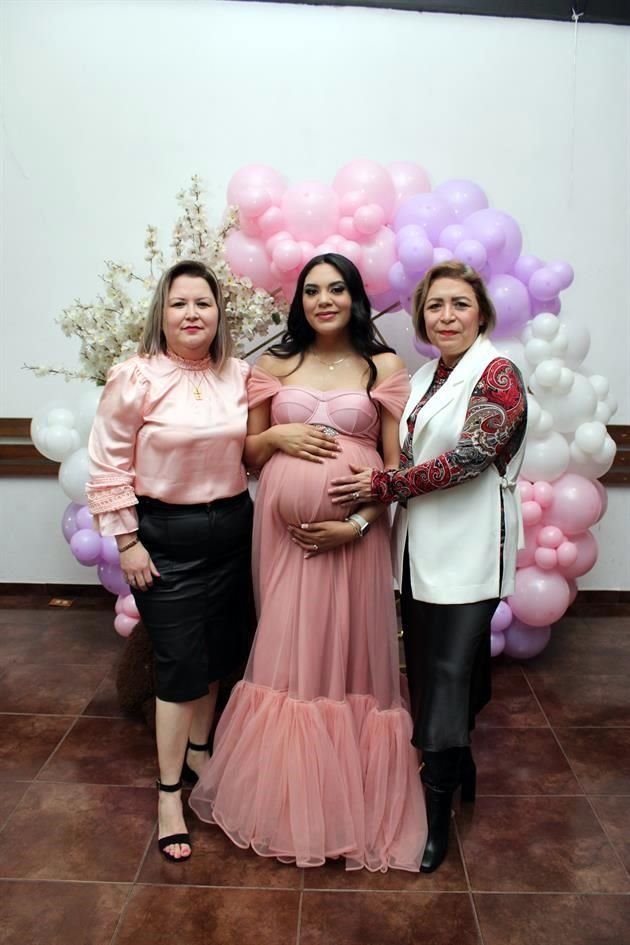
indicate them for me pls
(492, 433)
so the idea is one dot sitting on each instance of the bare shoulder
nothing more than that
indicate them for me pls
(277, 367)
(387, 364)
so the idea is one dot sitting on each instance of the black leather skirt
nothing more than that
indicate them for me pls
(199, 613)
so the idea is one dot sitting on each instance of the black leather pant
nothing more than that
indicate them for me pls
(447, 652)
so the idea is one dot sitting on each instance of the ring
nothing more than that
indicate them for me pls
(355, 496)
(315, 547)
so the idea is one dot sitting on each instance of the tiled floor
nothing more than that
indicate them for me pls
(543, 858)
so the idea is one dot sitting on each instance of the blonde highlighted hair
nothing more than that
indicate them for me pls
(453, 270)
(153, 339)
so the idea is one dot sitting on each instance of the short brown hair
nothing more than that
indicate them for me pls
(453, 270)
(153, 340)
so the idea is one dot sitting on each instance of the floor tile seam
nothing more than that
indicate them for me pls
(473, 906)
(231, 886)
(298, 924)
(597, 728)
(107, 784)
(56, 748)
(384, 892)
(121, 916)
(45, 715)
(147, 847)
(70, 882)
(608, 839)
(460, 847)
(568, 761)
(591, 894)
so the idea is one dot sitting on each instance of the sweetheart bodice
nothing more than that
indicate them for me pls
(350, 412)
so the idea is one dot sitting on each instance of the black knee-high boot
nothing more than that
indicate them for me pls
(441, 774)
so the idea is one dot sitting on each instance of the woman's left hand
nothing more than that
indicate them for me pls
(315, 538)
(347, 490)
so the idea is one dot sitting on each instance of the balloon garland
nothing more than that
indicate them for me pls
(391, 223)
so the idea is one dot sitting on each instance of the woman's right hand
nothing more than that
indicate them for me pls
(305, 442)
(137, 567)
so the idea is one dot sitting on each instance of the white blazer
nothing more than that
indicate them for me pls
(454, 534)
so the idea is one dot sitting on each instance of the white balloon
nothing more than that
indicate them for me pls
(87, 410)
(579, 342)
(545, 423)
(547, 374)
(560, 343)
(611, 403)
(602, 412)
(590, 436)
(533, 415)
(592, 467)
(74, 474)
(600, 385)
(572, 409)
(58, 442)
(526, 334)
(545, 326)
(512, 349)
(545, 458)
(60, 417)
(565, 383)
(537, 350)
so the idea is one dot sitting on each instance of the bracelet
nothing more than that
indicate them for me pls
(355, 525)
(128, 545)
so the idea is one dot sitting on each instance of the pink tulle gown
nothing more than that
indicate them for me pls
(312, 757)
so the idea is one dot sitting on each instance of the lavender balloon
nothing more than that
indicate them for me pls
(85, 545)
(85, 519)
(463, 196)
(109, 551)
(522, 642)
(430, 211)
(111, 577)
(511, 301)
(69, 520)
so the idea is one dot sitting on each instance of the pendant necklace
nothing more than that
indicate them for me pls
(196, 388)
(331, 365)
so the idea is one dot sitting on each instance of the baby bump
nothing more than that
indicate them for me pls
(298, 489)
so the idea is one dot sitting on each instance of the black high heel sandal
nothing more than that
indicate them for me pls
(164, 842)
(188, 775)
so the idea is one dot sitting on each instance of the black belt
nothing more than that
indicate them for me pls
(156, 505)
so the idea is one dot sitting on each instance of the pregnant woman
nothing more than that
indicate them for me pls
(312, 757)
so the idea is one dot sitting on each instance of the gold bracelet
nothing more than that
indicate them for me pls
(128, 546)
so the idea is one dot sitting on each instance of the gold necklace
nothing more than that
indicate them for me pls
(331, 365)
(196, 388)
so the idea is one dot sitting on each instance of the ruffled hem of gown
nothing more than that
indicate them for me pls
(304, 781)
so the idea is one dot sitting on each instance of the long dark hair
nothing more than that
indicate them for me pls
(299, 335)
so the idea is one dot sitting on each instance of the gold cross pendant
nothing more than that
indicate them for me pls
(197, 394)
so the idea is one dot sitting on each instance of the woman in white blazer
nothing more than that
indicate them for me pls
(457, 526)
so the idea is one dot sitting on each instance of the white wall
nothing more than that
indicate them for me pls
(110, 107)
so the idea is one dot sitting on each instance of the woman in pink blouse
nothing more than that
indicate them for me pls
(167, 480)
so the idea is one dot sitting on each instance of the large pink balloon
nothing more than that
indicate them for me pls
(370, 180)
(587, 551)
(378, 257)
(124, 625)
(311, 211)
(463, 196)
(255, 178)
(522, 641)
(246, 256)
(576, 504)
(408, 179)
(525, 555)
(540, 597)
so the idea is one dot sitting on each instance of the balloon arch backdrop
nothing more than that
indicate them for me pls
(391, 223)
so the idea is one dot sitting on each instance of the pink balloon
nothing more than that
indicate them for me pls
(129, 607)
(378, 256)
(69, 520)
(497, 643)
(430, 211)
(540, 597)
(576, 504)
(282, 236)
(311, 211)
(399, 280)
(543, 493)
(567, 554)
(118, 606)
(502, 617)
(603, 495)
(546, 558)
(573, 590)
(255, 201)
(347, 229)
(308, 251)
(255, 177)
(522, 642)
(408, 179)
(369, 218)
(85, 545)
(371, 180)
(526, 490)
(550, 537)
(124, 625)
(525, 556)
(270, 222)
(351, 250)
(109, 550)
(246, 256)
(532, 513)
(287, 255)
(587, 551)
(463, 196)
(350, 202)
(249, 226)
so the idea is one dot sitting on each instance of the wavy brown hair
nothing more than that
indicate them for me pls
(453, 270)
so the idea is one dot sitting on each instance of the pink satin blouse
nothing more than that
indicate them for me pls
(170, 429)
